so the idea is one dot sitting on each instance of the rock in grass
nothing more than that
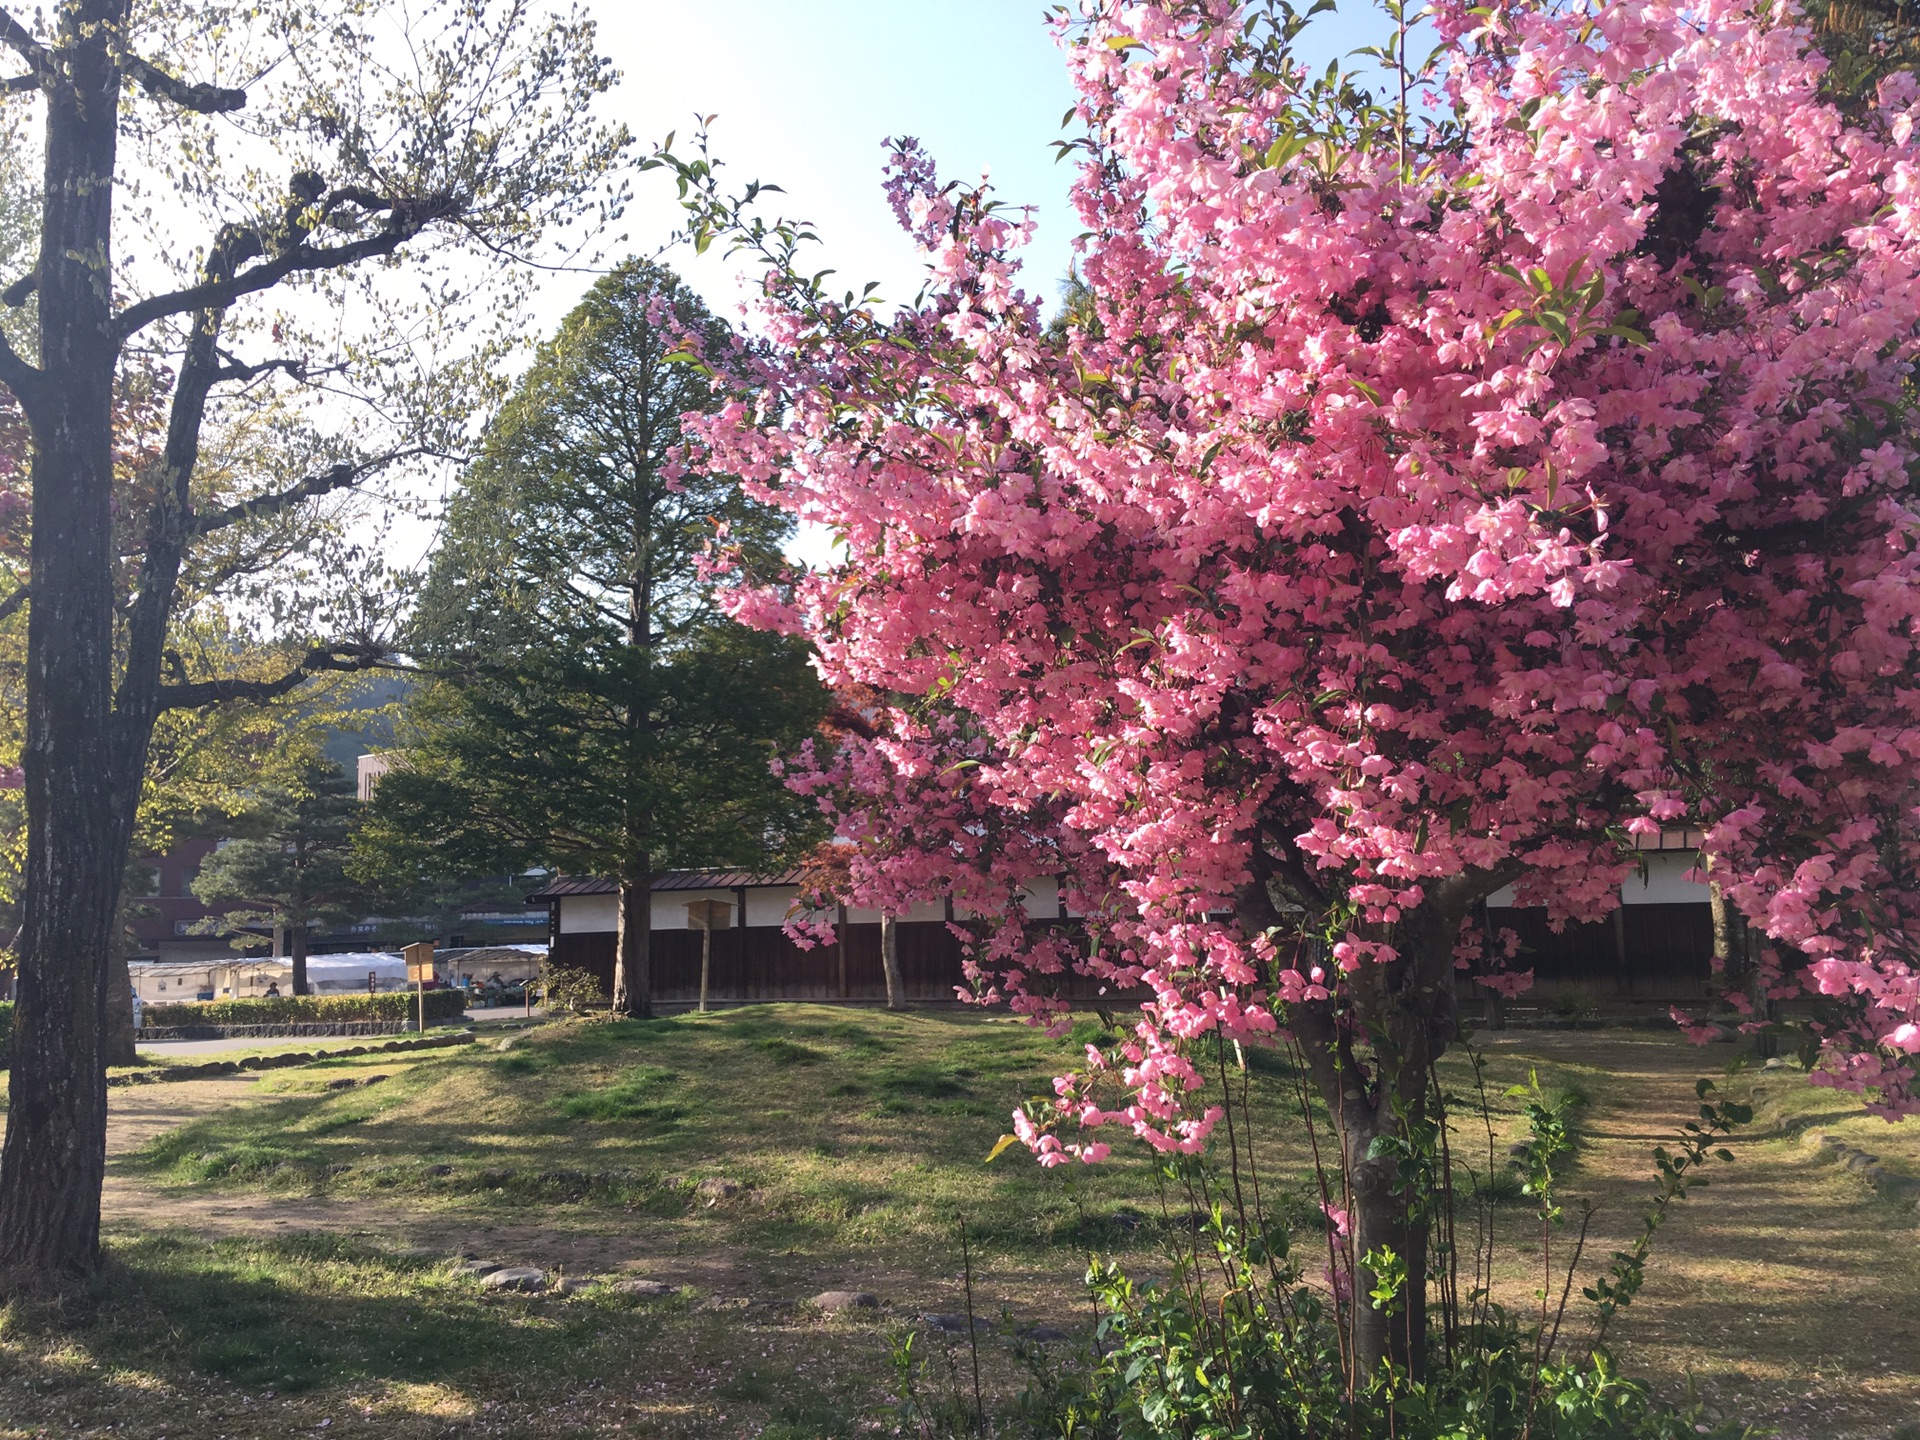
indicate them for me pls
(642, 1289)
(439, 1170)
(834, 1301)
(517, 1277)
(713, 1189)
(1043, 1334)
(574, 1284)
(494, 1179)
(476, 1268)
(948, 1324)
(345, 1082)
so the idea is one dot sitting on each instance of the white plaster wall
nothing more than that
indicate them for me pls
(589, 914)
(768, 905)
(1670, 880)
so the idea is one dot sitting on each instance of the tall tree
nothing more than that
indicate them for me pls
(237, 149)
(599, 713)
(288, 866)
(1443, 496)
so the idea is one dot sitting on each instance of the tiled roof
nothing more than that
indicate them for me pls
(564, 885)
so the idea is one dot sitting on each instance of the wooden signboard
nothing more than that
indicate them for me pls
(709, 915)
(419, 960)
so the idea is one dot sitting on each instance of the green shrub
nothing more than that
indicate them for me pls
(308, 1009)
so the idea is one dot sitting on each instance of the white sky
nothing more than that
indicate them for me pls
(803, 93)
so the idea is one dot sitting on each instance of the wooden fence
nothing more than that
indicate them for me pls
(1641, 953)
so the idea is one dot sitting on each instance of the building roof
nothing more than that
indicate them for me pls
(562, 886)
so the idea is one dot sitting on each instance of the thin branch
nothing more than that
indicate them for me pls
(234, 369)
(404, 223)
(336, 477)
(12, 603)
(202, 99)
(344, 658)
(20, 84)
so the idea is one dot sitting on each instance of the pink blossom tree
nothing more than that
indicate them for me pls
(1434, 494)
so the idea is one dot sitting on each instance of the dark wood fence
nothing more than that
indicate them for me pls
(1666, 948)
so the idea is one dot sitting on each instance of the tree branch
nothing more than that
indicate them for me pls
(15, 37)
(18, 376)
(15, 295)
(12, 603)
(203, 99)
(344, 658)
(336, 477)
(20, 84)
(405, 221)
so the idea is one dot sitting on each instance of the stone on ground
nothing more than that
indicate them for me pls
(517, 1277)
(833, 1301)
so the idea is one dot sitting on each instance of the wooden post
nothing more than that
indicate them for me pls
(840, 945)
(419, 960)
(705, 916)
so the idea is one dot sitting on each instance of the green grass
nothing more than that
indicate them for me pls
(845, 1131)
(861, 1140)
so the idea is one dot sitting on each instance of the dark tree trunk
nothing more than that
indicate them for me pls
(297, 958)
(1377, 1088)
(633, 948)
(79, 810)
(122, 1045)
(890, 962)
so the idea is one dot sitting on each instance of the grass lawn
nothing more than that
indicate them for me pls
(284, 1262)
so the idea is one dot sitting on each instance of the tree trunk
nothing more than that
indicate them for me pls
(297, 957)
(633, 948)
(78, 814)
(890, 962)
(122, 1047)
(1407, 1010)
(706, 961)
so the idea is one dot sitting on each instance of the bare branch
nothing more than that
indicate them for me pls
(15, 295)
(344, 658)
(241, 370)
(335, 477)
(405, 220)
(12, 603)
(204, 99)
(16, 38)
(19, 84)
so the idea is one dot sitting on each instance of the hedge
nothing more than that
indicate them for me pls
(448, 1004)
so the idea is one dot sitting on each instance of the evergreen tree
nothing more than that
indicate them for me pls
(289, 868)
(597, 712)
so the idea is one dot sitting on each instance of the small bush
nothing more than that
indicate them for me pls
(309, 1009)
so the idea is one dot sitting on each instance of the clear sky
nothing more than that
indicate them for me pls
(804, 92)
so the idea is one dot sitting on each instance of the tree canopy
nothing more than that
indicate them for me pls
(596, 711)
(1437, 499)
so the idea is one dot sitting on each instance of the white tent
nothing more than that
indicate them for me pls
(347, 974)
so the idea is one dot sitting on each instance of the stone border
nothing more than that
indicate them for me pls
(283, 1061)
(1890, 1183)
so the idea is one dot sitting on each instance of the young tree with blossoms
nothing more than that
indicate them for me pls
(1439, 493)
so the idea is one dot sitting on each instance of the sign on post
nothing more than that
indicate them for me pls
(419, 960)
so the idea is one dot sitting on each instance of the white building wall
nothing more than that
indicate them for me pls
(589, 914)
(768, 904)
(1670, 879)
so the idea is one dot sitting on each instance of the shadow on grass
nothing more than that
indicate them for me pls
(296, 1314)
